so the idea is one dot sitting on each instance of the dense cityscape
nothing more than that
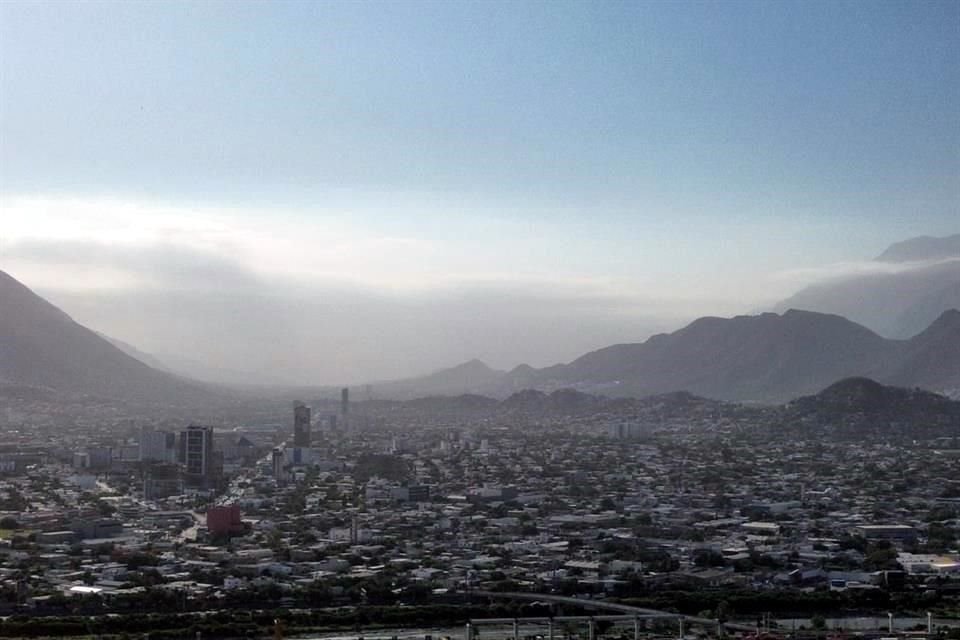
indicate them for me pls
(370, 512)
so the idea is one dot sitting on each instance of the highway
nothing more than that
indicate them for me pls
(611, 606)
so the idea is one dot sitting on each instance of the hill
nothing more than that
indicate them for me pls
(41, 346)
(863, 408)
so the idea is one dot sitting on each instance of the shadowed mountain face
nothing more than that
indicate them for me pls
(42, 346)
(767, 358)
(930, 360)
(924, 282)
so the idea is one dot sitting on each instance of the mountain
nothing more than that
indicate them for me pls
(931, 359)
(468, 378)
(460, 405)
(922, 248)
(41, 346)
(767, 358)
(199, 371)
(151, 361)
(908, 286)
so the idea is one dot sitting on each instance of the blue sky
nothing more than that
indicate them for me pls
(659, 150)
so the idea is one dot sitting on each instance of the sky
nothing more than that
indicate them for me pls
(329, 192)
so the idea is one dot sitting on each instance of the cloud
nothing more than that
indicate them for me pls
(98, 265)
(157, 242)
(309, 297)
(305, 300)
(842, 271)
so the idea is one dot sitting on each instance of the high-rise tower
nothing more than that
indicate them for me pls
(301, 425)
(345, 405)
(196, 454)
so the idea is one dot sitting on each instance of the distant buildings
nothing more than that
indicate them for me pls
(345, 406)
(628, 431)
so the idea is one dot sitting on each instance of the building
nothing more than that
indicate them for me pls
(345, 406)
(196, 455)
(628, 431)
(157, 446)
(891, 532)
(93, 458)
(301, 425)
(277, 465)
(224, 520)
(419, 493)
(412, 493)
(161, 480)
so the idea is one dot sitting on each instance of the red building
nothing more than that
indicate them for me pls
(224, 520)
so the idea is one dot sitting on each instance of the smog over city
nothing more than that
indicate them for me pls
(419, 319)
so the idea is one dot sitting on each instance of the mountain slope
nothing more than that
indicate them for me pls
(931, 359)
(467, 378)
(151, 361)
(767, 358)
(914, 282)
(922, 248)
(42, 346)
(761, 358)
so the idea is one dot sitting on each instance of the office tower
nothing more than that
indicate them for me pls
(157, 446)
(277, 464)
(161, 481)
(301, 425)
(196, 453)
(345, 405)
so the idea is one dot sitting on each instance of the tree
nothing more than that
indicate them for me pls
(818, 622)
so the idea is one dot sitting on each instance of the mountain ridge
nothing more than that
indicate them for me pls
(42, 346)
(767, 358)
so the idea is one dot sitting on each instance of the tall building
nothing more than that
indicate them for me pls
(157, 446)
(161, 480)
(276, 460)
(301, 425)
(345, 405)
(196, 454)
